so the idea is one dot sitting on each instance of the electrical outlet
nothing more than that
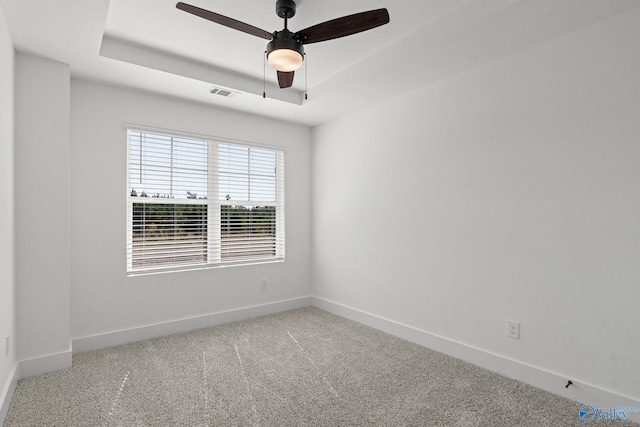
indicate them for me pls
(263, 285)
(7, 345)
(513, 329)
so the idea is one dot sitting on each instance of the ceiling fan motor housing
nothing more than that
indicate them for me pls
(285, 39)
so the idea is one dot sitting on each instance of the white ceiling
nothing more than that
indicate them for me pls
(152, 46)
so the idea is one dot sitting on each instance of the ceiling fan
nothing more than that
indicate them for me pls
(285, 51)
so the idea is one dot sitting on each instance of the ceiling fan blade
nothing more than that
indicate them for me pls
(285, 79)
(226, 21)
(345, 26)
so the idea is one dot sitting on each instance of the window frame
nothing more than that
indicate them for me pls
(213, 202)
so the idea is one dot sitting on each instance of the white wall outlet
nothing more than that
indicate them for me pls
(513, 329)
(7, 345)
(263, 285)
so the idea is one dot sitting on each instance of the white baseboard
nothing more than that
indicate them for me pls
(45, 364)
(111, 339)
(7, 392)
(582, 392)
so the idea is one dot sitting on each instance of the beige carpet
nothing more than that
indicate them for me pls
(300, 368)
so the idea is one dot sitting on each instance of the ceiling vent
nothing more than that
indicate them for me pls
(223, 92)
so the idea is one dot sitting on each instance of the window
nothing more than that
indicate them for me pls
(199, 203)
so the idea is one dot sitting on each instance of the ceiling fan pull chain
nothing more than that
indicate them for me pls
(264, 75)
(306, 86)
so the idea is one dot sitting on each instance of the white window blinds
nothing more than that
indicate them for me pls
(197, 203)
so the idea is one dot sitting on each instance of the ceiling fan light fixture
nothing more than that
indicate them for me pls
(285, 52)
(285, 60)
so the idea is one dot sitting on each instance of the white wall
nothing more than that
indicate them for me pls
(42, 212)
(103, 298)
(510, 191)
(7, 277)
